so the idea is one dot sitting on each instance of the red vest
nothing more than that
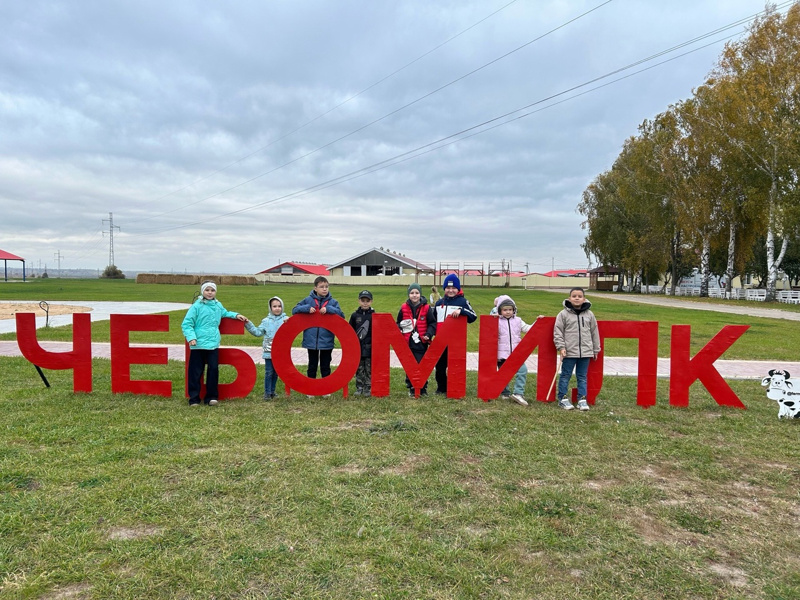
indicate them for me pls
(421, 324)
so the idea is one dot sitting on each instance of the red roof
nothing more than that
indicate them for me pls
(8, 256)
(463, 272)
(305, 267)
(567, 273)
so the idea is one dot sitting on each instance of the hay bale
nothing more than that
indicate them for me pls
(184, 279)
(237, 280)
(146, 278)
(213, 278)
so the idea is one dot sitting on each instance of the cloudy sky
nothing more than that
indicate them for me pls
(229, 137)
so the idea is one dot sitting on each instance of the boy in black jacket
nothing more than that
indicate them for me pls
(361, 322)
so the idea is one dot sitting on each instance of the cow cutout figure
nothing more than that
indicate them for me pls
(785, 391)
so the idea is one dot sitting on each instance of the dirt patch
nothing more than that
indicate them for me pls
(731, 575)
(599, 484)
(76, 591)
(350, 470)
(409, 464)
(9, 309)
(651, 530)
(132, 533)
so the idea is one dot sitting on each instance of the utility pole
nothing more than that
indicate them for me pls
(111, 227)
(58, 257)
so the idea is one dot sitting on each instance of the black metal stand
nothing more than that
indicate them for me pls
(41, 374)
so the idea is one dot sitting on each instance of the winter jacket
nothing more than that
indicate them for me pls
(509, 330)
(419, 319)
(269, 326)
(202, 321)
(361, 322)
(318, 338)
(576, 330)
(444, 307)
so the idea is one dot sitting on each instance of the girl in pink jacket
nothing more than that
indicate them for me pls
(510, 329)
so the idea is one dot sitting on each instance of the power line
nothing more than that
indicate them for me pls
(327, 112)
(379, 119)
(478, 129)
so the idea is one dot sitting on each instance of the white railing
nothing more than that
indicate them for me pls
(757, 295)
(789, 296)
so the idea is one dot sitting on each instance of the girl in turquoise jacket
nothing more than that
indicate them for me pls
(201, 329)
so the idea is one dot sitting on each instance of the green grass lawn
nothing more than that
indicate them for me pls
(105, 496)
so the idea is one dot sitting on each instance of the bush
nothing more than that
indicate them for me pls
(112, 272)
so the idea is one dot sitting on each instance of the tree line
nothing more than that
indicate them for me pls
(712, 182)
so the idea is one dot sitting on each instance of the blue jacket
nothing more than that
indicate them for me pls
(318, 338)
(202, 321)
(444, 307)
(269, 326)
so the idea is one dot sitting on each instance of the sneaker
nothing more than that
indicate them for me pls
(309, 396)
(193, 404)
(411, 393)
(213, 402)
(519, 399)
(504, 396)
(582, 403)
(326, 395)
(565, 403)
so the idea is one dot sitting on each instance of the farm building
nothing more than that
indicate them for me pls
(296, 268)
(378, 261)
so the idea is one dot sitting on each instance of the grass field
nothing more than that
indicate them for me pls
(105, 496)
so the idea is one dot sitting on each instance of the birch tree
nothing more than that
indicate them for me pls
(756, 80)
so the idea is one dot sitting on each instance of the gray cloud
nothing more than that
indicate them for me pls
(168, 114)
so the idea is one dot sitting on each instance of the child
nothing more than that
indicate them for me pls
(201, 329)
(434, 297)
(317, 340)
(577, 340)
(510, 329)
(268, 328)
(453, 305)
(417, 322)
(361, 322)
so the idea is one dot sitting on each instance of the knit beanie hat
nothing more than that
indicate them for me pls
(414, 286)
(506, 301)
(208, 284)
(452, 281)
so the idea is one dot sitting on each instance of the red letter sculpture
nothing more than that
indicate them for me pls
(385, 337)
(123, 356)
(647, 332)
(79, 359)
(492, 380)
(684, 371)
(338, 379)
